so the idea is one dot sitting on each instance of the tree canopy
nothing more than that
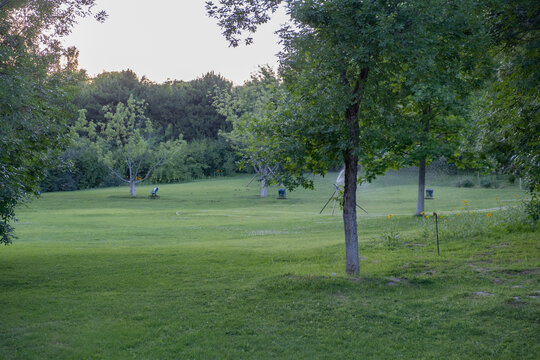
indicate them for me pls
(127, 141)
(249, 109)
(36, 91)
(376, 83)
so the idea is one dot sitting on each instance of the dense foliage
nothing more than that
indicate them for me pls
(36, 91)
(510, 110)
(174, 108)
(177, 107)
(250, 109)
(387, 83)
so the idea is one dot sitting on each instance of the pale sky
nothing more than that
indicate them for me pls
(168, 39)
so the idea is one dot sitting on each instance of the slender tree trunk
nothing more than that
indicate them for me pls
(132, 187)
(264, 188)
(352, 261)
(352, 264)
(421, 187)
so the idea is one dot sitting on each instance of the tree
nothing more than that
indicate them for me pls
(127, 141)
(510, 111)
(450, 61)
(177, 107)
(344, 65)
(35, 93)
(248, 108)
(107, 88)
(337, 64)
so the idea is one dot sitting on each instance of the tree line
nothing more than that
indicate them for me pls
(179, 115)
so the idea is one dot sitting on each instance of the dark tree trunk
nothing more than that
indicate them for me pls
(352, 262)
(349, 214)
(421, 187)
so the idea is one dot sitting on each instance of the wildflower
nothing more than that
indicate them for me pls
(427, 216)
(458, 214)
(489, 215)
(422, 213)
(465, 202)
(390, 216)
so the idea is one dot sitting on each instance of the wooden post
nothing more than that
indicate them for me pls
(437, 231)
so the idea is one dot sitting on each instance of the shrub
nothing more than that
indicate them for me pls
(489, 184)
(532, 207)
(198, 159)
(466, 183)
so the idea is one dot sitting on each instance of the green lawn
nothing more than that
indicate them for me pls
(212, 271)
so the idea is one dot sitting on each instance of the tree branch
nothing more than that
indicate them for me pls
(117, 175)
(152, 169)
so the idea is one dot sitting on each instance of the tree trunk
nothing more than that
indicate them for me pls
(352, 261)
(132, 187)
(421, 187)
(264, 188)
(352, 264)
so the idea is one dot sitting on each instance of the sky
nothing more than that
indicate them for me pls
(169, 39)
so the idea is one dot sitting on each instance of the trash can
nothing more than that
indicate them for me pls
(429, 193)
(281, 194)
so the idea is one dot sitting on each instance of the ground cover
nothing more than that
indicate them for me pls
(210, 270)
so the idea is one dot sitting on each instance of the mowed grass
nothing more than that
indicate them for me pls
(212, 271)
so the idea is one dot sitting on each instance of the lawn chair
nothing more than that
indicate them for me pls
(154, 194)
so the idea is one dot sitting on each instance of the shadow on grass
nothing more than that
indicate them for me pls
(290, 282)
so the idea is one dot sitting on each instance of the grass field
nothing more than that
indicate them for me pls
(212, 271)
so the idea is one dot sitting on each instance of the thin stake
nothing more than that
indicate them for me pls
(331, 197)
(437, 231)
(253, 178)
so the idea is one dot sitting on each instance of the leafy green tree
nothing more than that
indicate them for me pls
(331, 56)
(176, 107)
(345, 64)
(79, 168)
(107, 88)
(128, 141)
(198, 159)
(509, 113)
(35, 93)
(450, 61)
(248, 108)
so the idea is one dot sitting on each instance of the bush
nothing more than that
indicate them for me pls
(489, 184)
(532, 207)
(466, 183)
(198, 159)
(80, 168)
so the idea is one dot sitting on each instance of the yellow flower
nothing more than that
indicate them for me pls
(427, 216)
(458, 214)
(422, 213)
(390, 216)
(465, 202)
(489, 215)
